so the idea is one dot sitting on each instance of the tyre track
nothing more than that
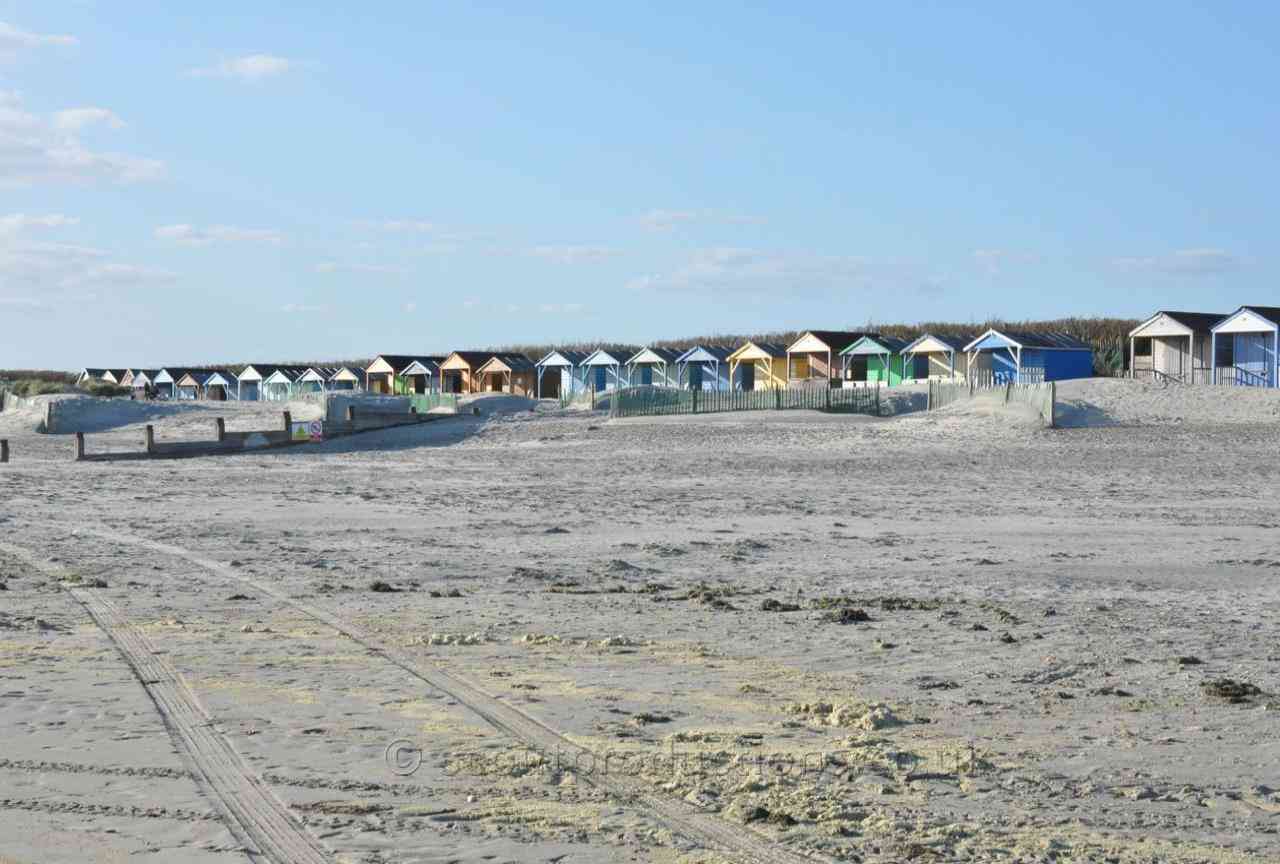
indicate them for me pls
(256, 818)
(740, 843)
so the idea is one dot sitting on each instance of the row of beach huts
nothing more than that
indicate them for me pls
(1188, 347)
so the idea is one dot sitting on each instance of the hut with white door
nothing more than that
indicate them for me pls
(1245, 346)
(560, 374)
(703, 367)
(758, 366)
(937, 356)
(606, 369)
(653, 367)
(814, 358)
(1174, 346)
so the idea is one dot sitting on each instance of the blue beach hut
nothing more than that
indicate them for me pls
(1245, 347)
(704, 367)
(1026, 358)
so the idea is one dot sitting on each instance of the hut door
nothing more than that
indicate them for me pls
(602, 379)
(695, 376)
(646, 376)
(747, 376)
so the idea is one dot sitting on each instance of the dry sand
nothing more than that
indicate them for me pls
(1034, 624)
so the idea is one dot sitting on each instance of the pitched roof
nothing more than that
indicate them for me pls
(473, 359)
(289, 373)
(1198, 321)
(514, 361)
(876, 345)
(602, 357)
(429, 366)
(705, 354)
(1024, 339)
(956, 341)
(836, 340)
(1271, 313)
(570, 358)
(653, 355)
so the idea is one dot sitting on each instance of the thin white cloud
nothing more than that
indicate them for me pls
(746, 270)
(1182, 262)
(370, 269)
(13, 40)
(190, 235)
(667, 220)
(996, 261)
(75, 119)
(17, 222)
(126, 275)
(569, 254)
(249, 67)
(36, 150)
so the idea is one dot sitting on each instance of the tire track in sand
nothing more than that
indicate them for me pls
(256, 818)
(738, 842)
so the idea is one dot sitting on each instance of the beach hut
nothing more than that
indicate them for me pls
(457, 372)
(506, 373)
(653, 367)
(114, 376)
(280, 385)
(380, 375)
(874, 360)
(315, 379)
(249, 381)
(560, 374)
(87, 375)
(703, 367)
(141, 380)
(191, 385)
(815, 357)
(937, 356)
(1245, 346)
(1175, 346)
(758, 366)
(165, 381)
(421, 375)
(219, 386)
(346, 379)
(1007, 356)
(606, 370)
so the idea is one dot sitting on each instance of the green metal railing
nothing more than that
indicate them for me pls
(654, 401)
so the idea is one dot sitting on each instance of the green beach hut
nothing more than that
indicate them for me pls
(876, 360)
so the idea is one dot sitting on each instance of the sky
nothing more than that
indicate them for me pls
(307, 181)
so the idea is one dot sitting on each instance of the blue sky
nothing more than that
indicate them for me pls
(270, 182)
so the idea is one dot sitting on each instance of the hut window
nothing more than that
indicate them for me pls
(1142, 346)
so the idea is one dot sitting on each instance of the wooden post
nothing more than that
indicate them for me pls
(79, 446)
(151, 438)
(4, 450)
(222, 429)
(288, 422)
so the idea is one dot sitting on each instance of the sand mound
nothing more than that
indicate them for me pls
(1096, 402)
(496, 403)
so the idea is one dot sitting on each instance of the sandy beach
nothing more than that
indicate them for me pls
(545, 636)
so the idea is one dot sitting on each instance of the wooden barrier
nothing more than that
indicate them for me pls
(222, 429)
(79, 446)
(151, 438)
(4, 450)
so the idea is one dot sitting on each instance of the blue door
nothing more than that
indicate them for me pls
(646, 376)
(747, 376)
(695, 376)
(1253, 358)
(601, 378)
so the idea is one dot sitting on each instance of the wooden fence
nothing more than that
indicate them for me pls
(655, 401)
(1041, 397)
